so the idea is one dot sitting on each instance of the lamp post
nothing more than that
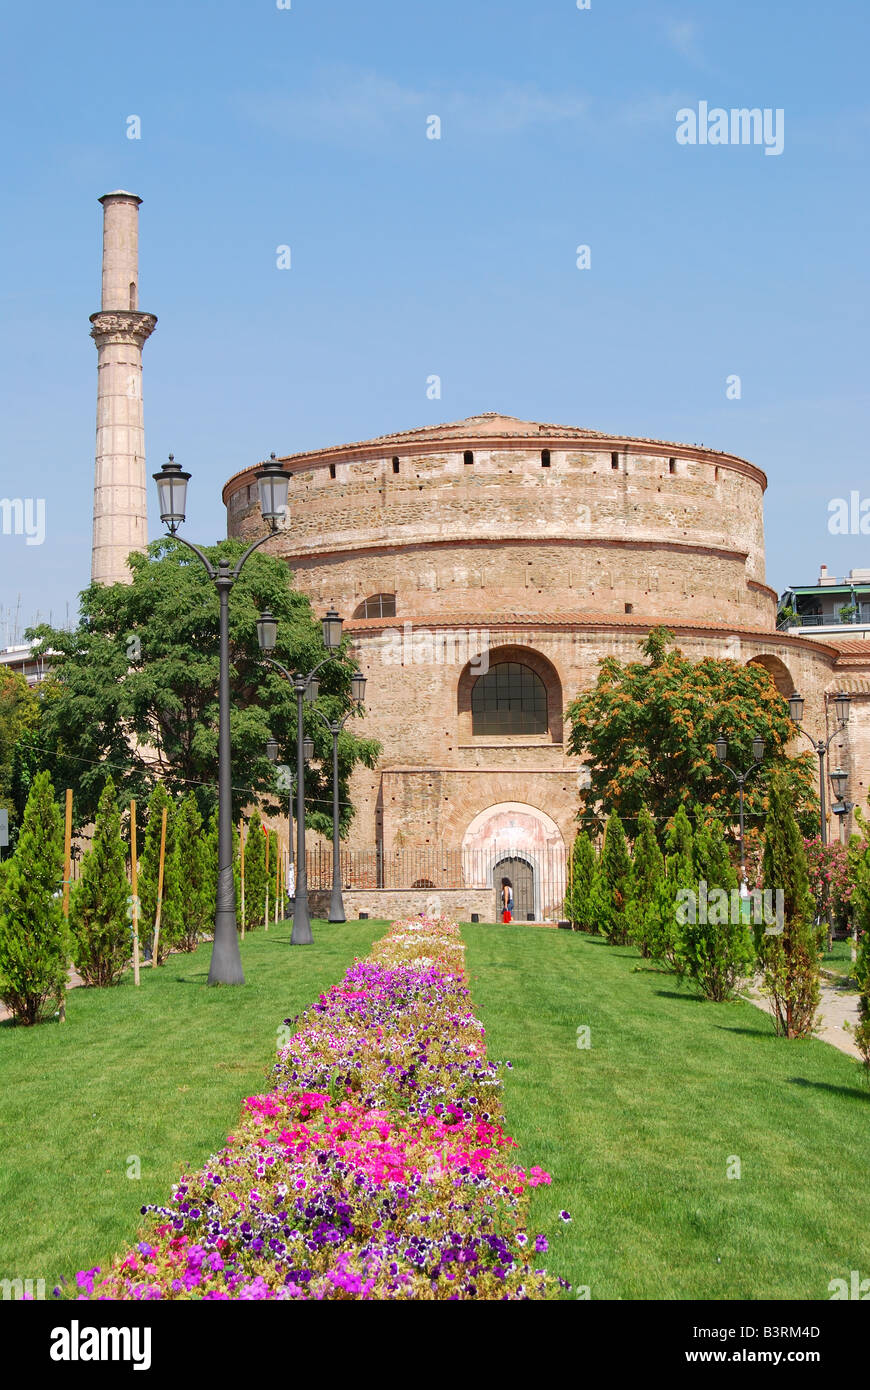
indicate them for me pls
(841, 704)
(740, 779)
(226, 961)
(306, 688)
(335, 726)
(842, 807)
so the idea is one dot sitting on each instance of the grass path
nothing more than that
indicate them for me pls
(158, 1073)
(638, 1129)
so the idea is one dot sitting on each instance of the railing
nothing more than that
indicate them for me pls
(538, 874)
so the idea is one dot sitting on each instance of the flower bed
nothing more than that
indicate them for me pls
(376, 1166)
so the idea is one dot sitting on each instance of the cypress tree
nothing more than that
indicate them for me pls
(717, 944)
(790, 960)
(100, 907)
(34, 940)
(171, 923)
(665, 930)
(255, 872)
(579, 908)
(647, 871)
(613, 883)
(192, 870)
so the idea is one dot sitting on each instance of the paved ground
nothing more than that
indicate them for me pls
(839, 1004)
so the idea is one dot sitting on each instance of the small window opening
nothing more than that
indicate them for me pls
(468, 456)
(545, 458)
(332, 470)
(132, 294)
(716, 475)
(629, 608)
(672, 465)
(614, 460)
(395, 465)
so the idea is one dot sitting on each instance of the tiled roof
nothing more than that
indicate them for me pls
(494, 427)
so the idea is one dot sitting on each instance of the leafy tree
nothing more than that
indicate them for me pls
(790, 960)
(717, 945)
(100, 905)
(19, 716)
(647, 871)
(579, 907)
(174, 887)
(647, 733)
(34, 941)
(613, 883)
(136, 684)
(255, 872)
(193, 873)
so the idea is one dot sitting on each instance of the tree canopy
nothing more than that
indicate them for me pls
(647, 732)
(133, 689)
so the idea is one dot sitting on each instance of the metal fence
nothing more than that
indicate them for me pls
(537, 875)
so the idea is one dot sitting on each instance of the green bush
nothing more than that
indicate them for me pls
(647, 871)
(579, 906)
(193, 874)
(612, 887)
(34, 940)
(171, 909)
(717, 946)
(100, 908)
(790, 961)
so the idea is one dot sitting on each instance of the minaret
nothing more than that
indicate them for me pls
(120, 331)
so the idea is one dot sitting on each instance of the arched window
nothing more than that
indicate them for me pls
(509, 699)
(377, 606)
(132, 294)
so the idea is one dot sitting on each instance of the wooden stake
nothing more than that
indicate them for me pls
(268, 838)
(158, 914)
(134, 875)
(242, 870)
(277, 873)
(67, 850)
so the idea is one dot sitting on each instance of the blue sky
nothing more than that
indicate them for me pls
(262, 127)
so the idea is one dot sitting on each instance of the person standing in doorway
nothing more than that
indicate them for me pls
(507, 900)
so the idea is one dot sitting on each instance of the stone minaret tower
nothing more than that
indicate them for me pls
(120, 331)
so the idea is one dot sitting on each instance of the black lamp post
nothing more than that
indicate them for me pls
(841, 704)
(842, 807)
(226, 961)
(304, 685)
(335, 726)
(740, 779)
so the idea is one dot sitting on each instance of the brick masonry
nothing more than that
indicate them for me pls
(503, 558)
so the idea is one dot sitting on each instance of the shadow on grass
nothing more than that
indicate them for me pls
(685, 996)
(826, 1086)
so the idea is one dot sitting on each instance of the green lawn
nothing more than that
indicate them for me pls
(839, 959)
(158, 1073)
(637, 1130)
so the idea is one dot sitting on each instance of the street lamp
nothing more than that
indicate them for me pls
(740, 779)
(267, 636)
(171, 480)
(841, 703)
(335, 726)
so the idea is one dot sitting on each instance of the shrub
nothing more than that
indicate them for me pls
(171, 920)
(579, 906)
(664, 933)
(99, 911)
(192, 871)
(255, 872)
(612, 888)
(647, 871)
(790, 961)
(34, 941)
(717, 945)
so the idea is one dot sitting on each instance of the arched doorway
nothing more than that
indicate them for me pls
(522, 878)
(527, 841)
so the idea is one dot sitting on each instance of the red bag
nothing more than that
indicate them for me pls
(505, 916)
